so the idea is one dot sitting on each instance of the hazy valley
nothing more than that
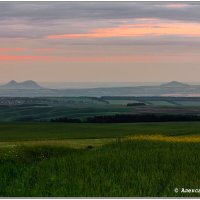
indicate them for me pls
(32, 89)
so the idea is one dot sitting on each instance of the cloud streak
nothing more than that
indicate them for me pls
(22, 19)
(41, 12)
(102, 40)
(99, 59)
(138, 30)
(176, 5)
(12, 49)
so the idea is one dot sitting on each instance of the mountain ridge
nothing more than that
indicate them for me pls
(14, 85)
(32, 89)
(175, 84)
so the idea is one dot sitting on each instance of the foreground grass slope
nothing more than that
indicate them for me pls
(109, 160)
(130, 169)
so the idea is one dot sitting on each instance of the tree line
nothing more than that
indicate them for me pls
(130, 118)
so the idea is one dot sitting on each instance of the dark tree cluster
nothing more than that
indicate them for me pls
(127, 118)
(130, 118)
(66, 119)
(136, 104)
(150, 98)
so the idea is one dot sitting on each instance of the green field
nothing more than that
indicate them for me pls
(99, 160)
(48, 108)
(45, 113)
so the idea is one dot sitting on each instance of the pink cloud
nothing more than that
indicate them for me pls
(76, 59)
(11, 49)
(137, 30)
(116, 58)
(23, 58)
(176, 5)
(45, 49)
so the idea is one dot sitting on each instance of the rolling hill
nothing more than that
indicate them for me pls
(32, 89)
(13, 85)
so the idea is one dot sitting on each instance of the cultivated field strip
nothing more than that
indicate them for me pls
(163, 138)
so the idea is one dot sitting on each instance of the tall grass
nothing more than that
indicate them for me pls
(122, 169)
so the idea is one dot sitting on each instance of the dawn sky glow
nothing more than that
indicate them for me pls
(100, 41)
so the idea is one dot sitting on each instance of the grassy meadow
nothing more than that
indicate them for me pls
(99, 160)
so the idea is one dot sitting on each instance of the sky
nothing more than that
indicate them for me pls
(100, 41)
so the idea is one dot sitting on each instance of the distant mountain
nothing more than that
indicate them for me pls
(32, 89)
(175, 84)
(21, 86)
